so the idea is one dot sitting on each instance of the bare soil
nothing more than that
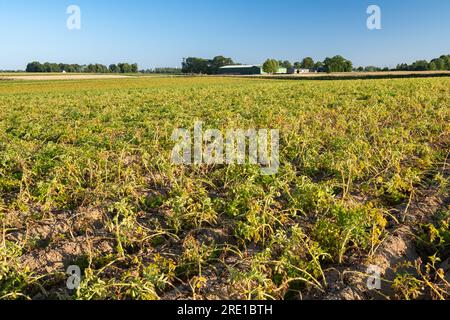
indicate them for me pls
(398, 249)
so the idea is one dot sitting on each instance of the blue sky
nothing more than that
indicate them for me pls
(157, 33)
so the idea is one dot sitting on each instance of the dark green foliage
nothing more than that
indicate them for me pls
(441, 63)
(271, 66)
(91, 68)
(338, 64)
(205, 66)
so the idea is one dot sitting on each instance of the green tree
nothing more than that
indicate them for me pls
(125, 68)
(319, 66)
(35, 66)
(205, 66)
(420, 65)
(166, 70)
(338, 64)
(271, 66)
(218, 62)
(432, 66)
(402, 67)
(439, 63)
(308, 63)
(51, 67)
(195, 65)
(286, 64)
(371, 69)
(446, 61)
(113, 68)
(96, 68)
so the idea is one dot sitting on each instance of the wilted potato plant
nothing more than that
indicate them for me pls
(86, 179)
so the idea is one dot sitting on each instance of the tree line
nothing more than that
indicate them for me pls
(76, 68)
(333, 64)
(371, 69)
(211, 66)
(441, 63)
(205, 66)
(166, 70)
(194, 65)
(340, 64)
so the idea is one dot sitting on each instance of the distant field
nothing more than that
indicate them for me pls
(21, 74)
(86, 179)
(360, 75)
(58, 76)
(77, 76)
(305, 76)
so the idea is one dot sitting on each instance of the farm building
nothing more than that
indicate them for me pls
(282, 70)
(297, 71)
(246, 70)
(241, 70)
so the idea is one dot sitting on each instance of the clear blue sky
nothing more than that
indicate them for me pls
(162, 32)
